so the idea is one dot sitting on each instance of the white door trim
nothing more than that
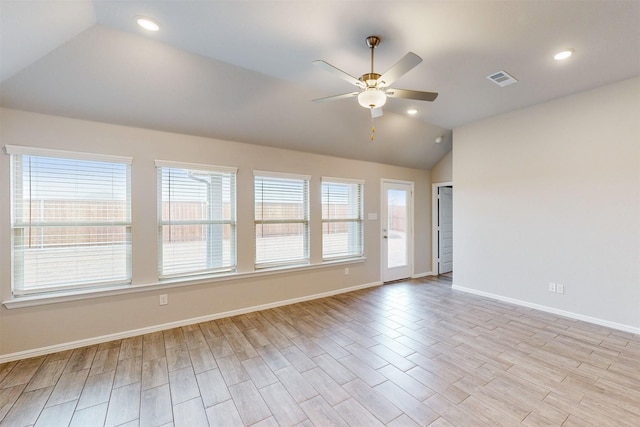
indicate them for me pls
(434, 223)
(382, 225)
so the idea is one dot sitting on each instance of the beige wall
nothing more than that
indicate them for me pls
(443, 170)
(24, 329)
(551, 193)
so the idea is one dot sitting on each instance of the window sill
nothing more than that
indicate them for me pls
(76, 295)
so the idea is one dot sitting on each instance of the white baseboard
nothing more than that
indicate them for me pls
(176, 324)
(419, 275)
(547, 309)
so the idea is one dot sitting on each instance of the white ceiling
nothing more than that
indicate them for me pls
(241, 70)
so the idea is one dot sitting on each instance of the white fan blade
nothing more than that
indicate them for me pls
(397, 70)
(336, 97)
(411, 94)
(338, 72)
(376, 112)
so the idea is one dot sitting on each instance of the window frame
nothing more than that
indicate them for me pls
(232, 221)
(19, 288)
(305, 222)
(359, 221)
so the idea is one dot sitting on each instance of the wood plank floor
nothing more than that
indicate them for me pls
(403, 354)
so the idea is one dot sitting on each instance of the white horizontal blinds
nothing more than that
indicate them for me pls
(197, 227)
(71, 220)
(342, 218)
(281, 219)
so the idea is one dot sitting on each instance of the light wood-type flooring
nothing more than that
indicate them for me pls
(402, 354)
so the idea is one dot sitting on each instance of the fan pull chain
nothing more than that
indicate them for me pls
(373, 129)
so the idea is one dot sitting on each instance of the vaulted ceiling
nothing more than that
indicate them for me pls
(242, 70)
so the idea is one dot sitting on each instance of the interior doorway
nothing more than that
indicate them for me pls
(442, 220)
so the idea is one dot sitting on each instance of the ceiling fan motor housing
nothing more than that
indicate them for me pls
(370, 79)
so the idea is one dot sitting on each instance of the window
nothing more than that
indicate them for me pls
(197, 225)
(70, 220)
(342, 225)
(281, 219)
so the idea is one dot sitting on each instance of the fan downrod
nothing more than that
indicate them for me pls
(370, 78)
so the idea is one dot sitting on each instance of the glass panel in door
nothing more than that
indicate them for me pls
(397, 253)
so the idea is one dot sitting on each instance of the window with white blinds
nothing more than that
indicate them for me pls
(342, 218)
(197, 224)
(70, 220)
(281, 219)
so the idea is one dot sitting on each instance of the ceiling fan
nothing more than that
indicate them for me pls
(374, 87)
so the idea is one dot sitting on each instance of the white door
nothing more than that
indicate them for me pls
(397, 230)
(445, 230)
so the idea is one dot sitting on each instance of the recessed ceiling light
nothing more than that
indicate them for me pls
(147, 23)
(412, 111)
(563, 55)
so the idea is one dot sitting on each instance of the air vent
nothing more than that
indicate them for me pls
(502, 78)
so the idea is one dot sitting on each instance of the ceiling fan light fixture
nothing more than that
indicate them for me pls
(372, 98)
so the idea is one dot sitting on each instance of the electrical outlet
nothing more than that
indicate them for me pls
(552, 287)
(346, 271)
(164, 299)
(560, 288)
